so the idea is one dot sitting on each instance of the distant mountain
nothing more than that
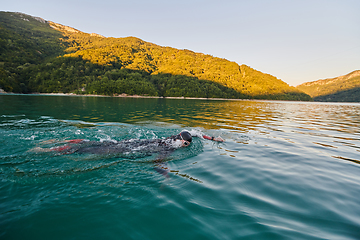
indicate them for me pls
(340, 89)
(42, 56)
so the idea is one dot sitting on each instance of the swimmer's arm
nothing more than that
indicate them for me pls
(195, 133)
(162, 156)
(161, 165)
(217, 139)
(162, 168)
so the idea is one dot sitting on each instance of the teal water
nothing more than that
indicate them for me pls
(288, 170)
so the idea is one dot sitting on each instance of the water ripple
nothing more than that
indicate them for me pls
(288, 170)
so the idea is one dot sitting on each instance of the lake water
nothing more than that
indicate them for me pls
(288, 170)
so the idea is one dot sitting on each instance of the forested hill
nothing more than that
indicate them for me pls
(340, 89)
(42, 56)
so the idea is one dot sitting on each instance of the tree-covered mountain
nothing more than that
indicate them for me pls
(43, 56)
(340, 89)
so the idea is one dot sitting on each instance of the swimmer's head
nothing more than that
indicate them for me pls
(183, 139)
(185, 135)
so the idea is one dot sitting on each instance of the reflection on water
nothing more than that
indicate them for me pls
(328, 125)
(332, 124)
(288, 170)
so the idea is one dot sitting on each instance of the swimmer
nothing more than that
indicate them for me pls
(126, 147)
(131, 148)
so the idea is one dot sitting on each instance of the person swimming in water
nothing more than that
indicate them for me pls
(132, 148)
(128, 147)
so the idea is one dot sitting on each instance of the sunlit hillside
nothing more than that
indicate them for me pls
(340, 89)
(42, 56)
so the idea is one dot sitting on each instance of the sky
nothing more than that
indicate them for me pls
(296, 41)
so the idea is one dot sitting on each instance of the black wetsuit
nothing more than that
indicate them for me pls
(127, 147)
(132, 148)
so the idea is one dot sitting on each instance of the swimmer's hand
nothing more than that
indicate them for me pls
(218, 139)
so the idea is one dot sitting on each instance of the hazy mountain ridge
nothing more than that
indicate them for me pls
(64, 59)
(344, 88)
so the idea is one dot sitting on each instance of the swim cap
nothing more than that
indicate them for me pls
(186, 136)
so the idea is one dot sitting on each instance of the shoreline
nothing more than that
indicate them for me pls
(134, 96)
(123, 95)
(180, 98)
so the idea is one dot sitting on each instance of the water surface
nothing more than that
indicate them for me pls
(288, 170)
